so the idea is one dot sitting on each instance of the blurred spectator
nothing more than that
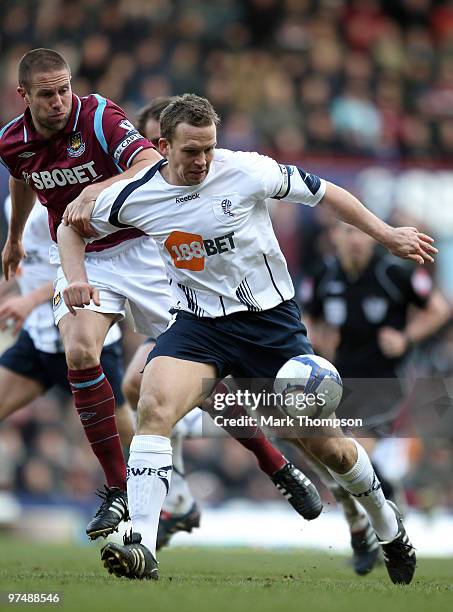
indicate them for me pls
(363, 23)
(95, 56)
(445, 135)
(356, 118)
(39, 478)
(321, 136)
(442, 21)
(262, 18)
(238, 133)
(416, 137)
(388, 49)
(185, 68)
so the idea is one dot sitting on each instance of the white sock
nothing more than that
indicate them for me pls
(362, 482)
(148, 481)
(179, 499)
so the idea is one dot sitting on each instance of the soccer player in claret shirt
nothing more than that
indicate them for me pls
(58, 147)
(235, 309)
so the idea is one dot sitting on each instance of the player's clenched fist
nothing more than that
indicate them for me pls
(80, 294)
(78, 212)
(409, 243)
(12, 255)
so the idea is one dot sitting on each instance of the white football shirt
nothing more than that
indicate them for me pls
(216, 238)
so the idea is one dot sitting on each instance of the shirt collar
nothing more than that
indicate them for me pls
(71, 125)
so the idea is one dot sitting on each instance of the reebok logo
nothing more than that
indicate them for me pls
(194, 196)
(161, 473)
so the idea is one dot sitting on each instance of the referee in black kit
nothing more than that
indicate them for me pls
(375, 308)
(365, 296)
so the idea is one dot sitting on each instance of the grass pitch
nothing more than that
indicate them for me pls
(218, 580)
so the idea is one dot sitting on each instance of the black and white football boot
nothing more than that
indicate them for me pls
(365, 550)
(298, 490)
(169, 524)
(132, 560)
(399, 554)
(112, 511)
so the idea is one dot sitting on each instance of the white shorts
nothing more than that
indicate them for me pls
(132, 271)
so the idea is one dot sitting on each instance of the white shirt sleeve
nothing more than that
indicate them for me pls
(100, 215)
(123, 205)
(284, 182)
(109, 214)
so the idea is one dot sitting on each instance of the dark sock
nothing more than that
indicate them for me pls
(95, 404)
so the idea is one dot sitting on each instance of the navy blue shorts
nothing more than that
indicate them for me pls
(50, 369)
(244, 344)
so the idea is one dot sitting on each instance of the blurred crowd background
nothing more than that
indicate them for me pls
(371, 77)
(357, 91)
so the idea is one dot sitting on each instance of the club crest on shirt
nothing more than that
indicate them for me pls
(76, 146)
(224, 208)
(375, 309)
(335, 287)
(335, 311)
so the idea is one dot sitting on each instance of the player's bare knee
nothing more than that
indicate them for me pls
(153, 416)
(81, 355)
(337, 454)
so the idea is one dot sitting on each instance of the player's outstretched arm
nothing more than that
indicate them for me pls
(22, 202)
(77, 212)
(78, 292)
(404, 242)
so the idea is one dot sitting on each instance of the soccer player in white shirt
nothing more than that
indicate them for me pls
(180, 511)
(234, 308)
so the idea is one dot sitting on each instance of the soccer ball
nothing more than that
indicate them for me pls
(309, 386)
